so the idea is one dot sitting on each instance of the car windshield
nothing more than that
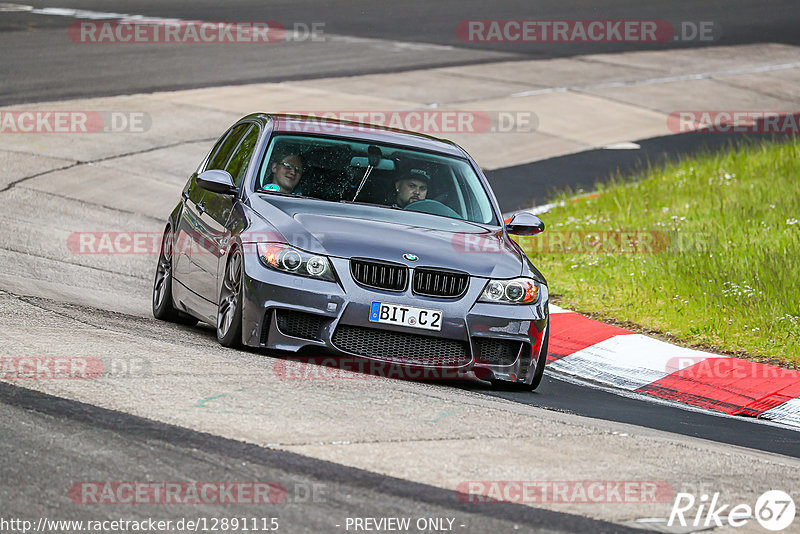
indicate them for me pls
(344, 170)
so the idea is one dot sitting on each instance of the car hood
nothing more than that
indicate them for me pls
(352, 230)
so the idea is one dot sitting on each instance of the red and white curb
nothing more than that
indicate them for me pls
(619, 358)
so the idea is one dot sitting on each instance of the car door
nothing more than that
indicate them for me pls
(190, 234)
(218, 210)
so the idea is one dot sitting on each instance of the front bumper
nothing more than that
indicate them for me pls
(477, 340)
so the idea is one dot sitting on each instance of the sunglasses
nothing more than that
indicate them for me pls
(289, 166)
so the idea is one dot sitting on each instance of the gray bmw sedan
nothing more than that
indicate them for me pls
(317, 236)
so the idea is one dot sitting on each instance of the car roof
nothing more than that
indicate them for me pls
(305, 125)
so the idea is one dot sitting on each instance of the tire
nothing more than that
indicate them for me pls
(537, 375)
(229, 307)
(163, 306)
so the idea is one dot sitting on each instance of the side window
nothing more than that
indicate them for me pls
(222, 154)
(217, 145)
(237, 166)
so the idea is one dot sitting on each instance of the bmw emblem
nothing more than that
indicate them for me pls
(411, 257)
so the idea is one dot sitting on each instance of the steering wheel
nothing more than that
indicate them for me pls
(434, 207)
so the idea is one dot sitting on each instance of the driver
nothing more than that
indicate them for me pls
(411, 188)
(286, 171)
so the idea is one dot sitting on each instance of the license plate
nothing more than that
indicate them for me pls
(381, 312)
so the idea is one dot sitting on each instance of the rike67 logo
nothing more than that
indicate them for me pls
(774, 510)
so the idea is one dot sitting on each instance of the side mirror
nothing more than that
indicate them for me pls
(524, 223)
(216, 181)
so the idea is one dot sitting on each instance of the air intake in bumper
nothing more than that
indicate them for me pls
(496, 351)
(401, 347)
(299, 324)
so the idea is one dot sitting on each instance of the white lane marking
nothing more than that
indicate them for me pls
(557, 309)
(85, 14)
(787, 413)
(80, 13)
(665, 79)
(629, 361)
(627, 145)
(544, 208)
(536, 210)
(400, 45)
(14, 7)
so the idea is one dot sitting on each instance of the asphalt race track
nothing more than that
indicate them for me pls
(38, 61)
(319, 493)
(182, 409)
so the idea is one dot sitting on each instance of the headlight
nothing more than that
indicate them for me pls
(288, 259)
(516, 291)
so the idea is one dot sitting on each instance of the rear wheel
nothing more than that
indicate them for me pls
(229, 310)
(163, 307)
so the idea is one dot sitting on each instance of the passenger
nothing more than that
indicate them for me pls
(411, 188)
(286, 171)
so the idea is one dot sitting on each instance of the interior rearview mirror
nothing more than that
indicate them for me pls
(374, 155)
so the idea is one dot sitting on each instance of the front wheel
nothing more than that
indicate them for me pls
(229, 310)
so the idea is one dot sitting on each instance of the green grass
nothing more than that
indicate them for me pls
(713, 259)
